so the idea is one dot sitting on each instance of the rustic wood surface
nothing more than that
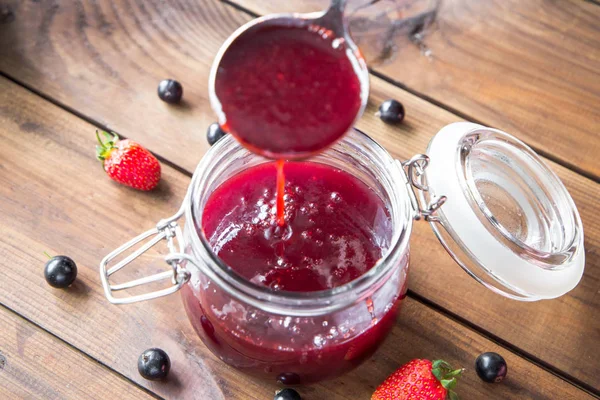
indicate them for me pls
(34, 364)
(74, 218)
(531, 68)
(102, 61)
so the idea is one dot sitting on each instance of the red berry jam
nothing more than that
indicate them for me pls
(287, 91)
(336, 229)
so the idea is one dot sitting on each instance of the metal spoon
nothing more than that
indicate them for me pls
(329, 23)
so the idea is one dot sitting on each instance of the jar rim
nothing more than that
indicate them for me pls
(316, 302)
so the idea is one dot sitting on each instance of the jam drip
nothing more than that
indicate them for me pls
(280, 193)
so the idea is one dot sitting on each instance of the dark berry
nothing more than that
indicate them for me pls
(288, 378)
(214, 133)
(491, 367)
(287, 394)
(154, 364)
(170, 91)
(391, 111)
(60, 272)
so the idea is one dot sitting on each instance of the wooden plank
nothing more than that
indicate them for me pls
(55, 198)
(528, 67)
(121, 30)
(118, 52)
(34, 364)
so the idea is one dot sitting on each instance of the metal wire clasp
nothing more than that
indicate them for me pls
(168, 230)
(415, 173)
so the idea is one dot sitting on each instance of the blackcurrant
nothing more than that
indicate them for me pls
(491, 367)
(60, 272)
(154, 364)
(287, 394)
(391, 111)
(288, 378)
(214, 133)
(170, 91)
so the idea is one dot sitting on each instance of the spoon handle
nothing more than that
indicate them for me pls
(333, 17)
(337, 5)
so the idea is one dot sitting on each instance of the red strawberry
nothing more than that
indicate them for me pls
(419, 380)
(128, 162)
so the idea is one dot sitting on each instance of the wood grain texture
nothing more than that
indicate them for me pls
(36, 365)
(562, 333)
(71, 207)
(100, 57)
(528, 67)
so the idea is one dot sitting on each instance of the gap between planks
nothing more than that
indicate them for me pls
(89, 357)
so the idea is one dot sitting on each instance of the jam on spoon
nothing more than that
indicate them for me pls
(287, 91)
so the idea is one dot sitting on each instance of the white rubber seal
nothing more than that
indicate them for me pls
(491, 255)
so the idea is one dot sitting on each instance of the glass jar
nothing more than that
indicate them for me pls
(290, 336)
(498, 210)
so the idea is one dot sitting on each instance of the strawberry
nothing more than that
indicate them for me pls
(420, 380)
(127, 162)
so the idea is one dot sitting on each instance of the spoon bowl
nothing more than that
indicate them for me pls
(329, 25)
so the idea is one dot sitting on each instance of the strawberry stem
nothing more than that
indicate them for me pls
(449, 383)
(452, 395)
(447, 376)
(98, 137)
(106, 146)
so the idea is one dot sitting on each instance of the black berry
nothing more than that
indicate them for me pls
(288, 378)
(391, 111)
(491, 367)
(214, 133)
(154, 364)
(287, 394)
(170, 91)
(60, 272)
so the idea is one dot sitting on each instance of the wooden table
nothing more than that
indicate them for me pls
(69, 67)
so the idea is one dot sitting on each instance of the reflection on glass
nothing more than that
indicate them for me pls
(380, 27)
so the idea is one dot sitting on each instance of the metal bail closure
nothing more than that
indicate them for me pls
(168, 230)
(415, 172)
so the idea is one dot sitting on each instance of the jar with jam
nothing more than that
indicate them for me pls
(313, 301)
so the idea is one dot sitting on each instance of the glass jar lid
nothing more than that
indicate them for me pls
(507, 219)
